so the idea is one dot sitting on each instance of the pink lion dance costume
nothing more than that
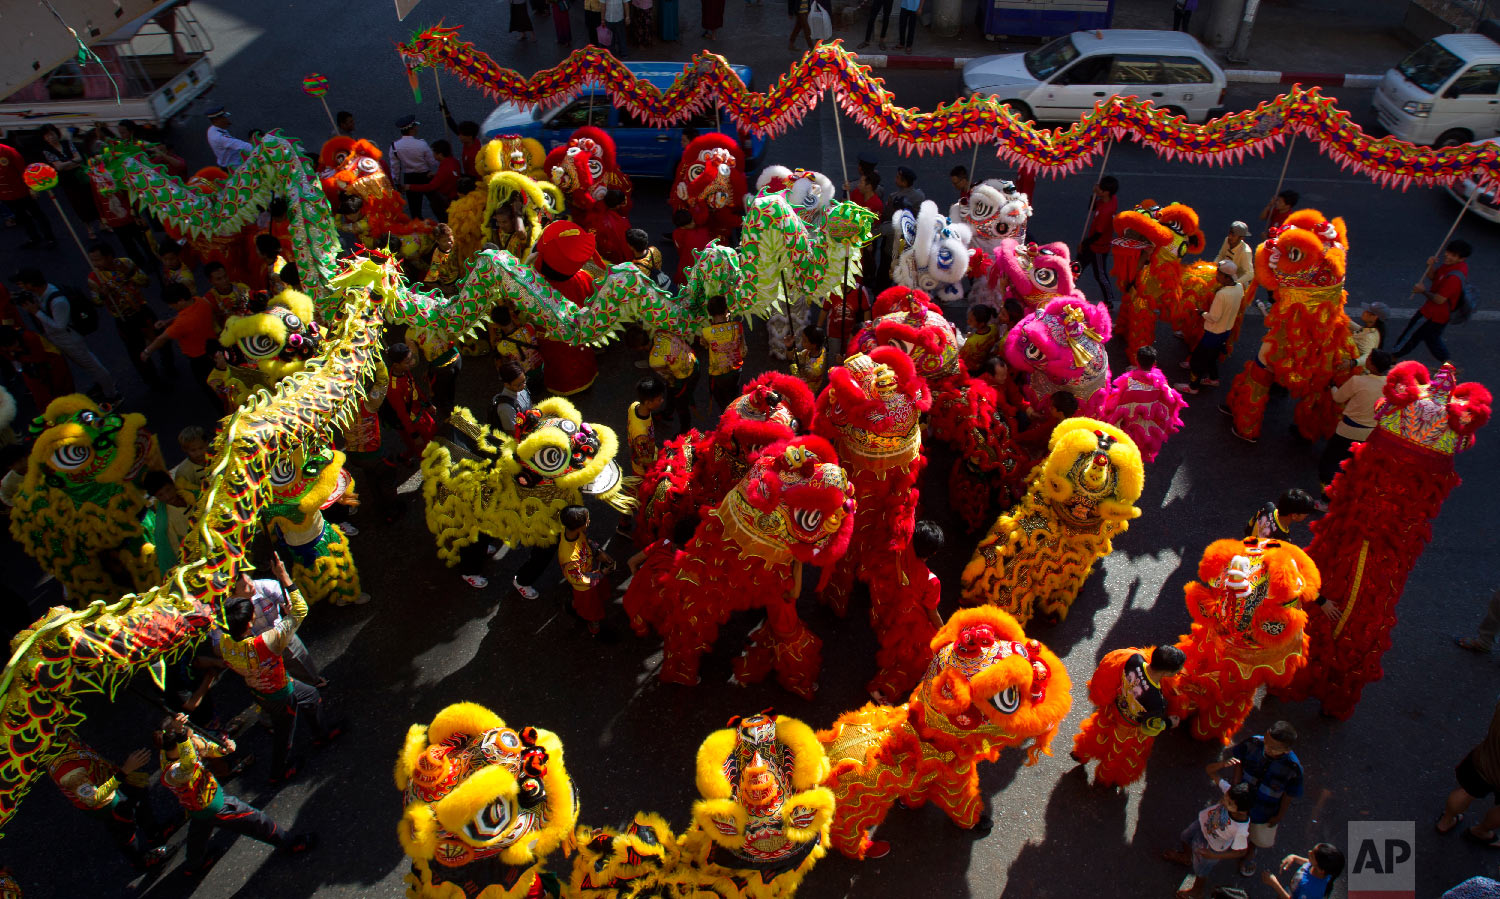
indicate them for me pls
(1061, 347)
(1307, 347)
(1378, 523)
(870, 411)
(1144, 405)
(1030, 274)
(795, 506)
(1248, 630)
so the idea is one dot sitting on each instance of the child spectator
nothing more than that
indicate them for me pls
(585, 566)
(1218, 322)
(689, 238)
(196, 333)
(228, 297)
(982, 339)
(810, 357)
(513, 398)
(1094, 253)
(1272, 519)
(188, 474)
(611, 228)
(119, 286)
(725, 341)
(1358, 396)
(1220, 831)
(514, 340)
(413, 414)
(673, 361)
(650, 395)
(1315, 875)
(173, 269)
(1268, 766)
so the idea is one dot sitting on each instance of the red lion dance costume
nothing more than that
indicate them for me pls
(870, 411)
(710, 183)
(1120, 745)
(1154, 280)
(793, 507)
(1379, 520)
(988, 689)
(354, 167)
(1307, 347)
(584, 169)
(561, 253)
(1248, 630)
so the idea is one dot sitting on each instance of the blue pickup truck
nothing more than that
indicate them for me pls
(643, 150)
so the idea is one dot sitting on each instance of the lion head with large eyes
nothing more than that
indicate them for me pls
(908, 320)
(1061, 346)
(796, 501)
(266, 346)
(352, 166)
(1173, 227)
(305, 480)
(1032, 274)
(554, 446)
(989, 687)
(936, 252)
(80, 446)
(585, 165)
(996, 210)
(485, 803)
(811, 194)
(711, 174)
(1307, 250)
(1248, 602)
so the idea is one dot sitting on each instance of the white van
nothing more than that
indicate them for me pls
(1062, 80)
(1447, 92)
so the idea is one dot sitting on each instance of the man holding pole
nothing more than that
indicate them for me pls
(1443, 287)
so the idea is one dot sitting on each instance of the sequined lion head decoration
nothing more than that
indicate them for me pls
(711, 173)
(1092, 474)
(935, 254)
(1173, 227)
(511, 153)
(764, 806)
(80, 447)
(1031, 274)
(908, 320)
(585, 164)
(1061, 347)
(995, 210)
(795, 504)
(872, 408)
(1248, 600)
(1308, 250)
(810, 193)
(774, 406)
(1434, 413)
(485, 803)
(266, 346)
(990, 688)
(346, 165)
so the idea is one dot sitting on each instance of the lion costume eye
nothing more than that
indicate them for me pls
(1007, 701)
(259, 346)
(550, 460)
(808, 520)
(367, 166)
(282, 472)
(596, 169)
(1044, 277)
(1034, 353)
(491, 822)
(1294, 255)
(72, 456)
(695, 171)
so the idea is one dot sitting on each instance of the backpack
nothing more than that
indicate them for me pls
(83, 315)
(1464, 309)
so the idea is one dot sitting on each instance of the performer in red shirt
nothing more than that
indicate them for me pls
(561, 252)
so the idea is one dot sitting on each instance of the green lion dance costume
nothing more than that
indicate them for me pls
(303, 484)
(78, 511)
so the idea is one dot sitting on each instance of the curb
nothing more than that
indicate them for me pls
(1239, 76)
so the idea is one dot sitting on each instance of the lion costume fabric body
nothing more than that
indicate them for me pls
(1307, 347)
(1248, 630)
(78, 509)
(485, 804)
(512, 487)
(1119, 745)
(1037, 556)
(303, 483)
(871, 413)
(1061, 347)
(1154, 278)
(988, 689)
(710, 184)
(1145, 406)
(795, 506)
(1378, 523)
(264, 347)
(760, 826)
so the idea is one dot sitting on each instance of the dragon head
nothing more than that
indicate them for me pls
(353, 166)
(712, 172)
(811, 194)
(990, 688)
(1092, 474)
(1308, 250)
(1437, 414)
(1033, 274)
(995, 210)
(764, 806)
(872, 408)
(936, 257)
(908, 320)
(774, 406)
(80, 446)
(1173, 227)
(1248, 599)
(795, 503)
(485, 802)
(1061, 346)
(266, 346)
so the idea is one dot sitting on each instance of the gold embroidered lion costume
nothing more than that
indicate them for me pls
(988, 689)
(1154, 278)
(1036, 557)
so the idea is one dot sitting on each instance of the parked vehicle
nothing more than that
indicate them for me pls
(1063, 79)
(1446, 92)
(151, 69)
(1487, 204)
(642, 149)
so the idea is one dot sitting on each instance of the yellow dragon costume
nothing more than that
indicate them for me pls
(78, 510)
(1037, 556)
(303, 483)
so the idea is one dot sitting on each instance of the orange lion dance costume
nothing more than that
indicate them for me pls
(1121, 732)
(1154, 280)
(795, 506)
(1248, 629)
(354, 167)
(1307, 347)
(1379, 520)
(988, 689)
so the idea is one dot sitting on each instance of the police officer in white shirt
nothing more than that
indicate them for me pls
(412, 162)
(229, 151)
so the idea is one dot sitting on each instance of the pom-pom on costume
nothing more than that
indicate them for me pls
(1248, 629)
(78, 509)
(1307, 347)
(264, 347)
(561, 254)
(935, 253)
(354, 167)
(760, 827)
(1031, 275)
(870, 412)
(1130, 710)
(1037, 556)
(1061, 347)
(1145, 406)
(988, 689)
(303, 483)
(1154, 280)
(710, 183)
(795, 506)
(1379, 520)
(485, 804)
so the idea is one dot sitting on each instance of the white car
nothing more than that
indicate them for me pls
(1062, 80)
(1486, 205)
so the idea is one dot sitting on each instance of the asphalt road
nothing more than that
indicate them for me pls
(427, 640)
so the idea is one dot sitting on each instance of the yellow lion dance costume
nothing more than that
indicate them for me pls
(512, 488)
(507, 166)
(760, 827)
(78, 510)
(264, 347)
(1037, 556)
(485, 805)
(303, 484)
(988, 689)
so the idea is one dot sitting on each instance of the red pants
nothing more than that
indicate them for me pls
(589, 602)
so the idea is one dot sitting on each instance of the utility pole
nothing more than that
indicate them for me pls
(1242, 40)
(946, 17)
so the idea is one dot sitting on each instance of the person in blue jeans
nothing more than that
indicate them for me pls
(1315, 873)
(906, 31)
